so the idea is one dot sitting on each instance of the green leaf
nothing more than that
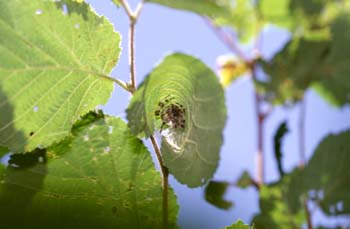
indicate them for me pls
(53, 69)
(101, 177)
(294, 69)
(243, 19)
(309, 7)
(327, 174)
(184, 99)
(214, 194)
(238, 225)
(335, 85)
(276, 12)
(240, 15)
(281, 204)
(323, 65)
(282, 130)
(245, 180)
(116, 2)
(210, 8)
(3, 151)
(309, 19)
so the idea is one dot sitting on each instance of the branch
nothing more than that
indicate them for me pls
(226, 39)
(132, 55)
(121, 83)
(307, 213)
(165, 175)
(260, 135)
(133, 16)
(126, 6)
(139, 8)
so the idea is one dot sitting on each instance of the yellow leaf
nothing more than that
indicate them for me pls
(230, 69)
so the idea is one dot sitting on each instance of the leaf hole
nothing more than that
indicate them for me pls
(36, 109)
(64, 9)
(86, 138)
(110, 129)
(107, 149)
(38, 12)
(340, 206)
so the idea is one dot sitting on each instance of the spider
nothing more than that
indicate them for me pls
(172, 115)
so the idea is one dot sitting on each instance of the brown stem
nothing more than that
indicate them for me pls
(133, 16)
(132, 54)
(126, 6)
(226, 39)
(302, 115)
(232, 45)
(260, 116)
(165, 175)
(307, 213)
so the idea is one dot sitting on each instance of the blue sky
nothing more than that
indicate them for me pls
(161, 31)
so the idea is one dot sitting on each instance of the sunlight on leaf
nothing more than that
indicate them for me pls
(53, 61)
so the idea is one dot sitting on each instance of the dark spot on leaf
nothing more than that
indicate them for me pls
(157, 113)
(31, 133)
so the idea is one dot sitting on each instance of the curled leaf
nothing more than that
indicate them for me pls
(182, 99)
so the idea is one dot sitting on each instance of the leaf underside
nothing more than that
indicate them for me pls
(53, 59)
(191, 151)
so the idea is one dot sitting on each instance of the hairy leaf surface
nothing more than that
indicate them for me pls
(54, 58)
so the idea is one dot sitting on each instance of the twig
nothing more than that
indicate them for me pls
(132, 54)
(133, 16)
(260, 135)
(307, 213)
(226, 39)
(139, 8)
(231, 44)
(126, 6)
(165, 175)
